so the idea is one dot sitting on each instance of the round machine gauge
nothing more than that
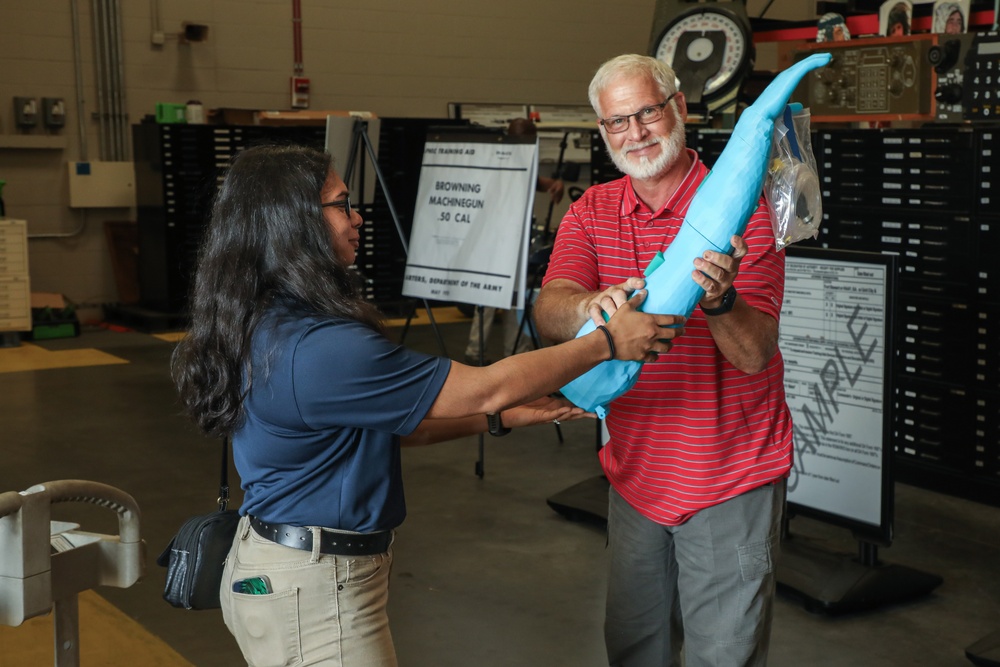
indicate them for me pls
(709, 44)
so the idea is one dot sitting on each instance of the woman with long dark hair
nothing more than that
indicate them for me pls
(286, 357)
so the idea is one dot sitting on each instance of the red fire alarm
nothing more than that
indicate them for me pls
(300, 92)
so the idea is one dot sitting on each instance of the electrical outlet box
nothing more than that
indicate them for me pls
(193, 32)
(25, 112)
(97, 184)
(300, 92)
(53, 112)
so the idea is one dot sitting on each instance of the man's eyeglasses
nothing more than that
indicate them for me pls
(344, 204)
(616, 124)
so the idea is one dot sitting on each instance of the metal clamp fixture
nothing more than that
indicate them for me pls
(44, 564)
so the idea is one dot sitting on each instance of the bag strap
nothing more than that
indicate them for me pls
(792, 138)
(224, 477)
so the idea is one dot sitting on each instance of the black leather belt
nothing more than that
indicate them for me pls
(337, 544)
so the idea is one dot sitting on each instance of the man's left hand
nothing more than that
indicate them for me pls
(715, 272)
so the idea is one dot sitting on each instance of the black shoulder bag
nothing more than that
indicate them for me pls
(196, 556)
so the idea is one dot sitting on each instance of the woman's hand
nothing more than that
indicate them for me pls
(639, 336)
(541, 410)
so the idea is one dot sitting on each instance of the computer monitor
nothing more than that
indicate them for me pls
(836, 336)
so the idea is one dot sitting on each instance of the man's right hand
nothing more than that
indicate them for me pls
(611, 299)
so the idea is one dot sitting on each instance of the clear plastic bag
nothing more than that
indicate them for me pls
(792, 186)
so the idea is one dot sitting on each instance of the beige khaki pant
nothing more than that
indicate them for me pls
(322, 609)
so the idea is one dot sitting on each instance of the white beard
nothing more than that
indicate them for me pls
(643, 168)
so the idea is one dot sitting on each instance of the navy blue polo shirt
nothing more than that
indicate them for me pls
(320, 442)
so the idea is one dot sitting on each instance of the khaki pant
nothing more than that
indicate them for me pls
(706, 585)
(322, 609)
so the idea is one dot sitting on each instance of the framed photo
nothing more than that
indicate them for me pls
(895, 18)
(832, 28)
(950, 17)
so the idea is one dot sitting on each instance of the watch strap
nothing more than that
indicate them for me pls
(728, 300)
(495, 423)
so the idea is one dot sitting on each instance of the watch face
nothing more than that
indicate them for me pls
(700, 46)
(730, 297)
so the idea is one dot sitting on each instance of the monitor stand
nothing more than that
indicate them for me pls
(839, 583)
(986, 651)
(584, 501)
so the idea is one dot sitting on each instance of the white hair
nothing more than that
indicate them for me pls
(631, 65)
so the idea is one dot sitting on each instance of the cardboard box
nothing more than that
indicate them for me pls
(52, 317)
(231, 116)
(47, 300)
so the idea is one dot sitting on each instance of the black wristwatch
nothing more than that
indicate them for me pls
(728, 299)
(495, 422)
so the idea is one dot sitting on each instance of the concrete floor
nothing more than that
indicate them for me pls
(486, 573)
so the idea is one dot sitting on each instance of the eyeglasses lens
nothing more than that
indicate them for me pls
(617, 124)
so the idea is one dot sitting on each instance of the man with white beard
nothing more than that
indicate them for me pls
(697, 452)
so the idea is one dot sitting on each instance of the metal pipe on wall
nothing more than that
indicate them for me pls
(154, 16)
(78, 71)
(99, 78)
(109, 64)
(109, 81)
(123, 129)
(109, 91)
(297, 36)
(114, 30)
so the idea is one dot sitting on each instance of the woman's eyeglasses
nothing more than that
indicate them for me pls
(344, 204)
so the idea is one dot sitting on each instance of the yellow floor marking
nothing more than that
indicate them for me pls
(29, 357)
(444, 315)
(170, 336)
(107, 637)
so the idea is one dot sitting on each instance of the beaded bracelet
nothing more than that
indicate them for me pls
(611, 341)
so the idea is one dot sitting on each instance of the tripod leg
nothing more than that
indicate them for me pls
(521, 322)
(406, 327)
(526, 322)
(437, 331)
(481, 463)
(361, 135)
(385, 190)
(529, 303)
(482, 334)
(559, 166)
(532, 330)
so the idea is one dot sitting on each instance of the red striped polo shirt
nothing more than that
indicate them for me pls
(694, 431)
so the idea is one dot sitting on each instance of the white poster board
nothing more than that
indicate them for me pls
(471, 222)
(835, 322)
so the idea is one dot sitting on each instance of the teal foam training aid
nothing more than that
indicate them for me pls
(720, 209)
